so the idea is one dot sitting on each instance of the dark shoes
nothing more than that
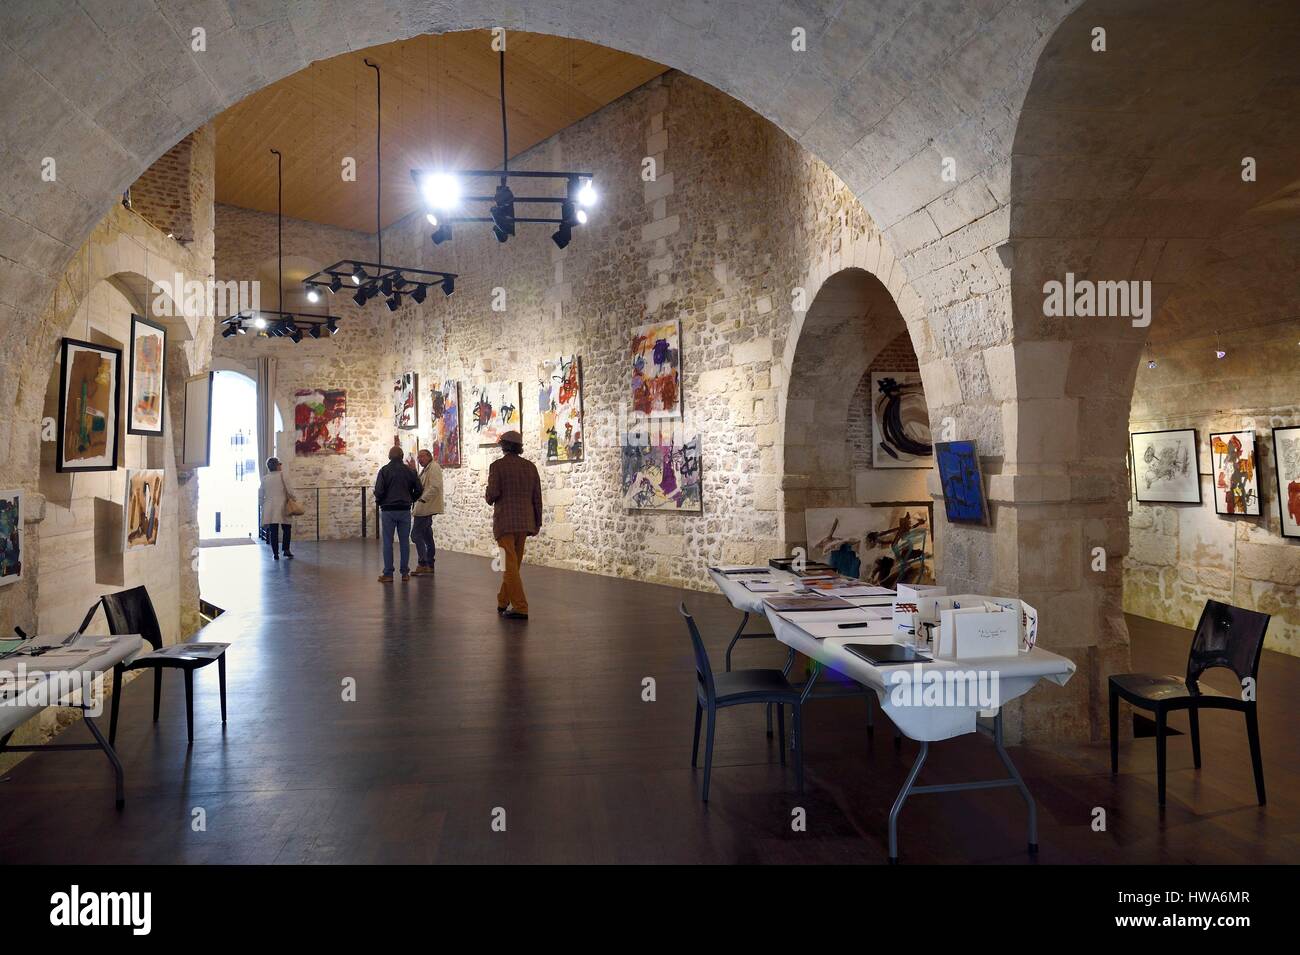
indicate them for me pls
(503, 610)
(514, 615)
(289, 555)
(275, 555)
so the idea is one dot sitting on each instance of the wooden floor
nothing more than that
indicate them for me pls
(459, 712)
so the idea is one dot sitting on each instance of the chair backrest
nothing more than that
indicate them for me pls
(131, 611)
(1227, 636)
(703, 670)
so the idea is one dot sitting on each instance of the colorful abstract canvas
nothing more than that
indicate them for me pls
(143, 507)
(656, 356)
(1164, 467)
(406, 400)
(962, 482)
(559, 402)
(1286, 458)
(661, 470)
(11, 537)
(900, 421)
(1235, 472)
(320, 418)
(148, 372)
(497, 410)
(90, 385)
(445, 411)
(884, 546)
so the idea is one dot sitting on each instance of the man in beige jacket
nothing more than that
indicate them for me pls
(429, 504)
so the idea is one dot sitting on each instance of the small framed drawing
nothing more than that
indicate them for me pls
(144, 400)
(198, 422)
(90, 390)
(1286, 462)
(1234, 473)
(1164, 467)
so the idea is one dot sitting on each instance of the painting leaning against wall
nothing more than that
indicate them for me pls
(11, 537)
(320, 419)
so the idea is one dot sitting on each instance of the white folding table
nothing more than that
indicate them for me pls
(51, 681)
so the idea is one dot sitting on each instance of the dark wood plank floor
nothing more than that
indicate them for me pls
(459, 712)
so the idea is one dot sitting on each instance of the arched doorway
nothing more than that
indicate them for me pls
(228, 486)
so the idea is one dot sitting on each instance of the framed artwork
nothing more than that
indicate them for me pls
(559, 402)
(1286, 462)
(445, 409)
(497, 410)
(90, 389)
(11, 537)
(963, 482)
(656, 358)
(661, 472)
(406, 401)
(197, 438)
(900, 421)
(409, 443)
(147, 373)
(1235, 473)
(144, 490)
(883, 546)
(1164, 467)
(320, 418)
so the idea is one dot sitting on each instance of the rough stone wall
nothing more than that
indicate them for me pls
(162, 195)
(1180, 555)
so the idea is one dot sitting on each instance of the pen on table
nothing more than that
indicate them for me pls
(853, 626)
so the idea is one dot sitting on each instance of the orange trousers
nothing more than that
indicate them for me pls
(512, 586)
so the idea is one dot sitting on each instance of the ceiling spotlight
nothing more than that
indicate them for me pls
(312, 294)
(314, 331)
(1220, 353)
(562, 235)
(386, 285)
(448, 285)
(442, 233)
(358, 275)
(1151, 362)
(331, 326)
(259, 323)
(430, 218)
(582, 216)
(240, 329)
(440, 190)
(418, 293)
(363, 295)
(394, 301)
(296, 335)
(587, 194)
(229, 330)
(335, 284)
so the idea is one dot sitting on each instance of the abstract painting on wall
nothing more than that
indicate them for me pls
(661, 471)
(1164, 467)
(445, 410)
(496, 410)
(884, 546)
(656, 356)
(1286, 459)
(1235, 472)
(406, 400)
(900, 421)
(559, 402)
(11, 537)
(409, 442)
(962, 482)
(90, 386)
(147, 374)
(143, 507)
(320, 418)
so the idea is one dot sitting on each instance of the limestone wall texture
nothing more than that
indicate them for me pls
(1180, 555)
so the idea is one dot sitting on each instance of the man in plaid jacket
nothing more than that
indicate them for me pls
(514, 489)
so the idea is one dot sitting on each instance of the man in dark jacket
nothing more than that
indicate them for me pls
(397, 487)
(514, 490)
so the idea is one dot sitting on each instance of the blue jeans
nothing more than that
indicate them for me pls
(422, 534)
(399, 521)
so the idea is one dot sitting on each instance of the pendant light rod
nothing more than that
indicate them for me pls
(379, 161)
(505, 128)
(279, 229)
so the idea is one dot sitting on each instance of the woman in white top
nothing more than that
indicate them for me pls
(275, 494)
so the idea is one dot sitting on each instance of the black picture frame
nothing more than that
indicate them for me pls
(1217, 498)
(415, 411)
(1282, 497)
(1195, 462)
(136, 321)
(113, 445)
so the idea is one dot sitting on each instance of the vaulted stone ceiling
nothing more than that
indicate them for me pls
(441, 109)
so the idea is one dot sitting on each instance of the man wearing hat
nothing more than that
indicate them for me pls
(514, 489)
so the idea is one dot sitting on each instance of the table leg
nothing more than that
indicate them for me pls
(112, 758)
(1020, 783)
(734, 640)
(902, 798)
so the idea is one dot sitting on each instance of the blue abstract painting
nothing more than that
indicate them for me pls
(963, 485)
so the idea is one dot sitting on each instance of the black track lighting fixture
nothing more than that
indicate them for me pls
(314, 331)
(373, 278)
(449, 285)
(442, 192)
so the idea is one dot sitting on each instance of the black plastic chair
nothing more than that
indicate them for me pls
(1226, 636)
(736, 688)
(131, 611)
